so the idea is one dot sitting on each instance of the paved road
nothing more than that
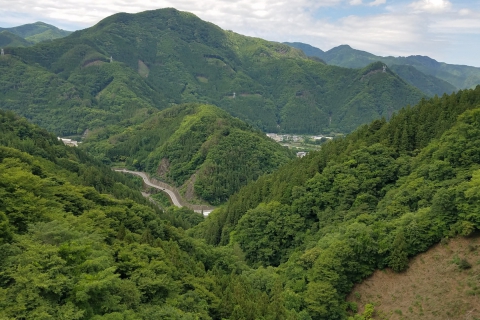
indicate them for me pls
(170, 193)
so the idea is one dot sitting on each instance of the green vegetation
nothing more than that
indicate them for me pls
(77, 243)
(371, 200)
(428, 84)
(36, 32)
(192, 146)
(167, 57)
(427, 77)
(108, 95)
(8, 39)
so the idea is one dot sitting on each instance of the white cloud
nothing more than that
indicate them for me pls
(434, 6)
(377, 3)
(371, 4)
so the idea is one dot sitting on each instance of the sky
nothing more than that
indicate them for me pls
(448, 31)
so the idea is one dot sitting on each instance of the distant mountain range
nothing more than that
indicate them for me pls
(430, 76)
(166, 57)
(29, 34)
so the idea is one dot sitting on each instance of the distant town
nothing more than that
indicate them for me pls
(303, 143)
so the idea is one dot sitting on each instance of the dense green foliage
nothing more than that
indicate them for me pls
(8, 39)
(77, 243)
(116, 96)
(197, 146)
(459, 76)
(36, 32)
(166, 57)
(428, 84)
(371, 200)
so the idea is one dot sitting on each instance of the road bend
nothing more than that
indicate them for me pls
(168, 191)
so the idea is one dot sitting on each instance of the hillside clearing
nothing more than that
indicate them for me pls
(439, 284)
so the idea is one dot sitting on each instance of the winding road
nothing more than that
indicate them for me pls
(170, 193)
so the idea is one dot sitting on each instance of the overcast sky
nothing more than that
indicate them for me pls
(448, 31)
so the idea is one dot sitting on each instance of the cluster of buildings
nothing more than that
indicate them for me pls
(293, 138)
(284, 137)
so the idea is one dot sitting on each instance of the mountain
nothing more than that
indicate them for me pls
(371, 200)
(460, 76)
(309, 50)
(37, 32)
(78, 241)
(428, 84)
(201, 149)
(8, 39)
(166, 57)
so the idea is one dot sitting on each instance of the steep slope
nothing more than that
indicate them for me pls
(184, 59)
(76, 243)
(441, 283)
(309, 50)
(462, 77)
(383, 194)
(97, 95)
(37, 32)
(347, 57)
(428, 84)
(8, 39)
(200, 148)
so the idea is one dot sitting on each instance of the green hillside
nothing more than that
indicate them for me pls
(77, 242)
(309, 50)
(199, 148)
(8, 39)
(37, 32)
(385, 193)
(183, 59)
(461, 77)
(98, 95)
(428, 84)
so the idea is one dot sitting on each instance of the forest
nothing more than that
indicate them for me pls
(372, 200)
(189, 103)
(166, 57)
(427, 74)
(79, 242)
(192, 146)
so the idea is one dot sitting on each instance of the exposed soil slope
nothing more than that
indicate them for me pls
(436, 285)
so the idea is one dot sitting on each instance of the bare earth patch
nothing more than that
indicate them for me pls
(188, 186)
(93, 63)
(163, 168)
(202, 79)
(143, 69)
(442, 283)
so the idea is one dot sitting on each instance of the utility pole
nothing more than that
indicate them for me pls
(111, 59)
(2, 53)
(384, 68)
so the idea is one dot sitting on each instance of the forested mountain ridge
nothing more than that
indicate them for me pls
(200, 148)
(459, 76)
(369, 201)
(77, 242)
(9, 39)
(178, 58)
(35, 32)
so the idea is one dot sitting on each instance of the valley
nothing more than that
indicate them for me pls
(173, 194)
(204, 174)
